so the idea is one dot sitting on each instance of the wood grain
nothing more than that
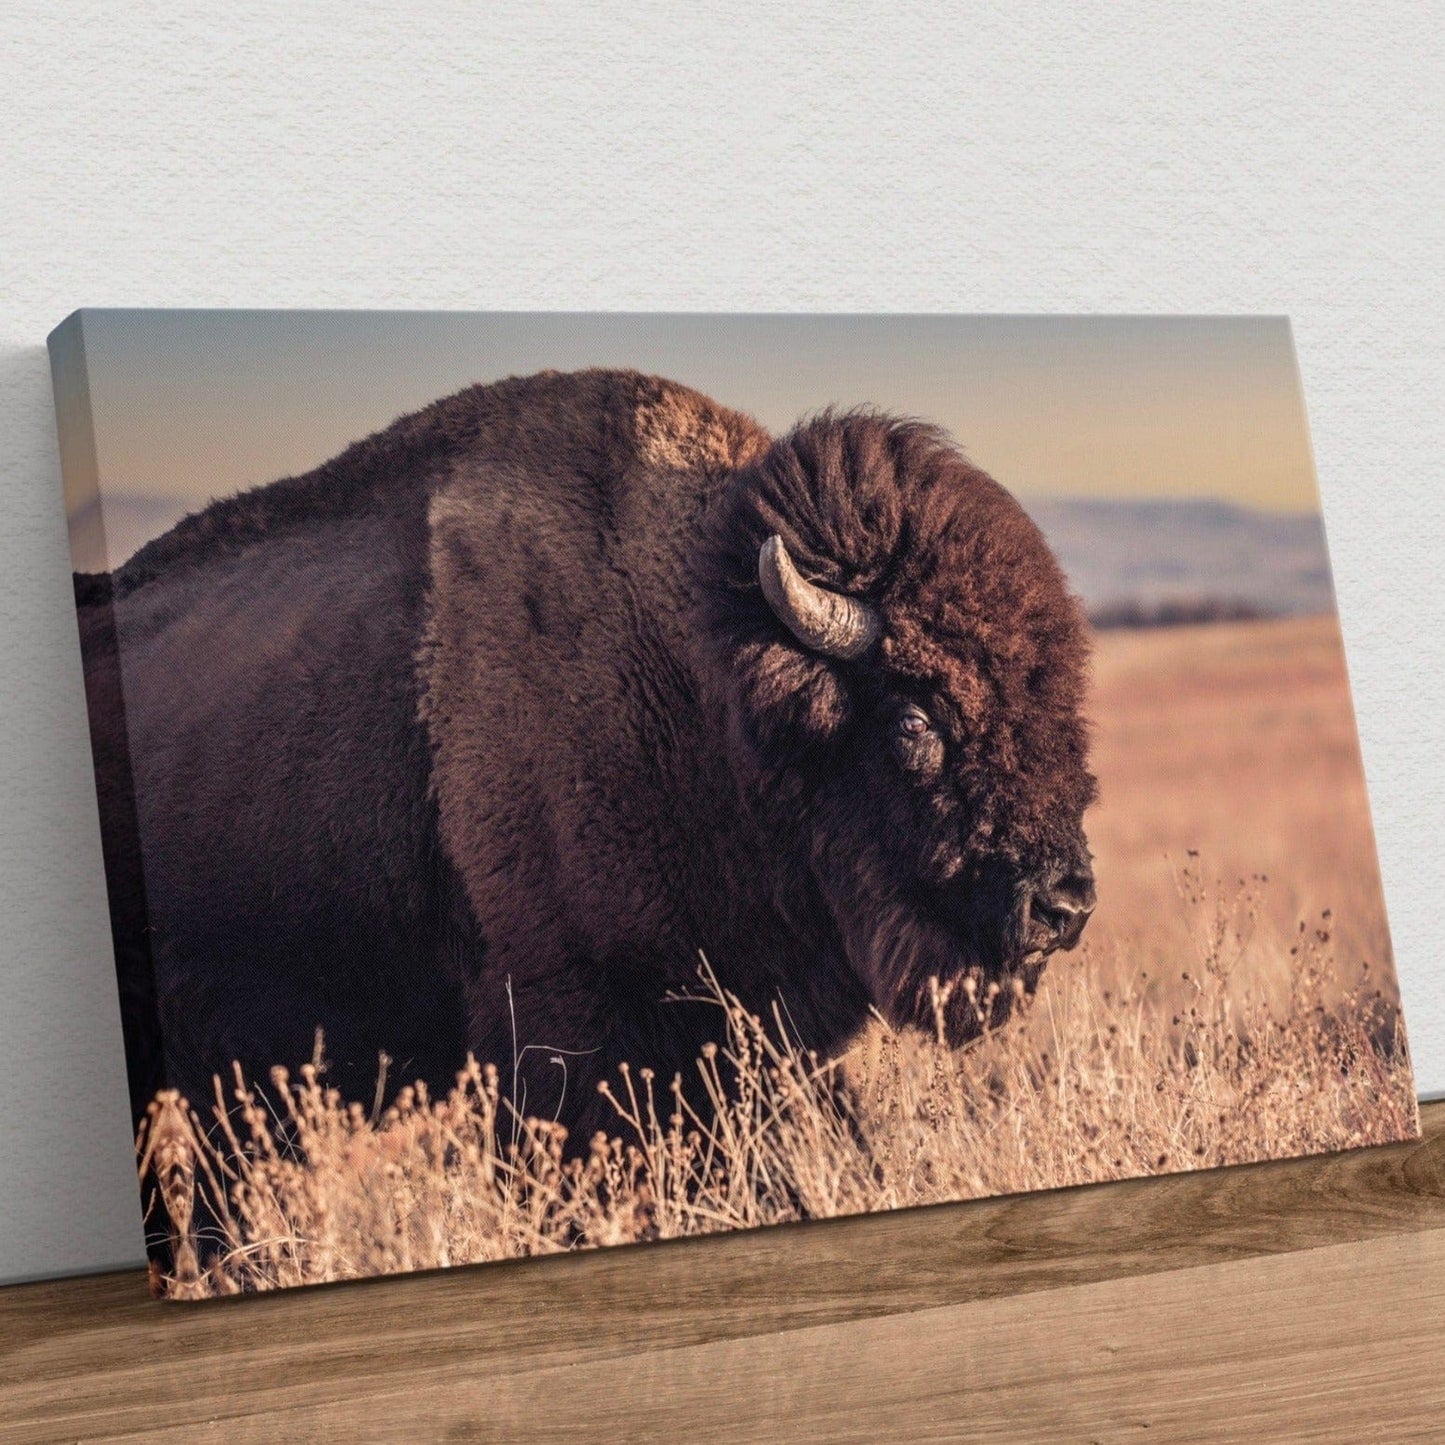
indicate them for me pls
(1299, 1298)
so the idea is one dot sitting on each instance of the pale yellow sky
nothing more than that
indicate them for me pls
(194, 405)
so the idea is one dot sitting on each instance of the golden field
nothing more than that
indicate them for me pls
(1237, 741)
(1233, 1000)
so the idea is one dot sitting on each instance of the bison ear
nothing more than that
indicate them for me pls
(785, 698)
(829, 623)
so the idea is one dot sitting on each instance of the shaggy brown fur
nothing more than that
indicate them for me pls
(476, 736)
(924, 873)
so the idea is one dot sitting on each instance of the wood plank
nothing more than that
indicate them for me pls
(1313, 1345)
(96, 1358)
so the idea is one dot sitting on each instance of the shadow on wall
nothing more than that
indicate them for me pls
(67, 1188)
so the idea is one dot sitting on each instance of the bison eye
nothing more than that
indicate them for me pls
(914, 722)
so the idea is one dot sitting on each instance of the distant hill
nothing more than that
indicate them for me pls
(100, 542)
(1151, 562)
(1135, 563)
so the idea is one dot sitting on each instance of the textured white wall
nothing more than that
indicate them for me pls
(1255, 158)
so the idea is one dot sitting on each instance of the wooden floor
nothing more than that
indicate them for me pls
(1302, 1300)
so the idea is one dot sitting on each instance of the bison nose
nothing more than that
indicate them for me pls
(1063, 909)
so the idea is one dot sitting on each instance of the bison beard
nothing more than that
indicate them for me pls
(478, 735)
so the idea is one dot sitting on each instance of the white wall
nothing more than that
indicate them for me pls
(1276, 158)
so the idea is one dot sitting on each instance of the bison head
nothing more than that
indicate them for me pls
(903, 668)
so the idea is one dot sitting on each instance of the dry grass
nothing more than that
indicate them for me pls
(1204, 1023)
(1091, 1087)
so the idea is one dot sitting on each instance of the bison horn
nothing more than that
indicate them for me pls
(825, 621)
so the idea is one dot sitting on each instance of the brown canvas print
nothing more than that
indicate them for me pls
(581, 780)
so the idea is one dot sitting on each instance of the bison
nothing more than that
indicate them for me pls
(478, 735)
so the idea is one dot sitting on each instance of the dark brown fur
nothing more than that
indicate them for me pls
(478, 735)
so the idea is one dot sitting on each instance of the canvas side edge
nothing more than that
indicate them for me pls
(1421, 1095)
(103, 674)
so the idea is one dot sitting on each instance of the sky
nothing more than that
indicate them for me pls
(191, 405)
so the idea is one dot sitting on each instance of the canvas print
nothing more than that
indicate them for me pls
(581, 780)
